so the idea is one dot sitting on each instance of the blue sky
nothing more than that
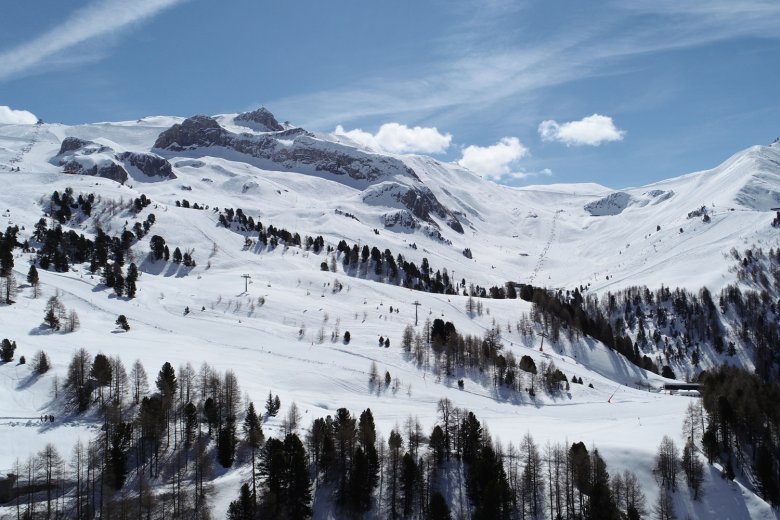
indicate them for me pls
(615, 92)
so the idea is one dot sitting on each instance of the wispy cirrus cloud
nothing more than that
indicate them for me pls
(100, 18)
(485, 64)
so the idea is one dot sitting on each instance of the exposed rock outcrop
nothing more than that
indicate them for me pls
(70, 144)
(260, 119)
(617, 202)
(400, 219)
(193, 132)
(106, 170)
(305, 150)
(78, 156)
(612, 204)
(298, 150)
(149, 164)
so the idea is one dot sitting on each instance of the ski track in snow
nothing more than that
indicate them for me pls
(546, 249)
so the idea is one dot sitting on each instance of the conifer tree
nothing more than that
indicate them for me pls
(130, 280)
(364, 475)
(226, 443)
(54, 310)
(34, 280)
(298, 485)
(166, 381)
(272, 405)
(408, 483)
(119, 279)
(344, 434)
(190, 415)
(122, 322)
(41, 363)
(437, 507)
(395, 443)
(271, 468)
(7, 349)
(253, 435)
(242, 508)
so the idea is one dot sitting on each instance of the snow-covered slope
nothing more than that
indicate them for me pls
(558, 236)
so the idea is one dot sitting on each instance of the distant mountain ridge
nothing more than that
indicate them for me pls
(639, 231)
(295, 149)
(246, 243)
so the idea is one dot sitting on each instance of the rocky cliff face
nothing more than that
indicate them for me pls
(106, 170)
(193, 132)
(71, 144)
(260, 119)
(77, 156)
(149, 164)
(304, 150)
(298, 150)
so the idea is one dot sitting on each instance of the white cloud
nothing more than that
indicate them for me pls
(9, 116)
(398, 138)
(100, 18)
(497, 160)
(592, 131)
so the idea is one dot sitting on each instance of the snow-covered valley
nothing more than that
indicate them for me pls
(281, 329)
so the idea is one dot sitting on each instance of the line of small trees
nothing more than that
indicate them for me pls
(40, 362)
(344, 461)
(355, 260)
(455, 354)
(159, 251)
(156, 451)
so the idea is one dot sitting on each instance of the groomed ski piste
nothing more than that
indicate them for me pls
(269, 335)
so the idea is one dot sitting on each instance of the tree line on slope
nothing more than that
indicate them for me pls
(356, 260)
(558, 309)
(743, 427)
(676, 325)
(58, 249)
(457, 471)
(157, 452)
(483, 359)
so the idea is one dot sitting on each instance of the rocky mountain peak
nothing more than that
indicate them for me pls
(300, 151)
(197, 130)
(261, 119)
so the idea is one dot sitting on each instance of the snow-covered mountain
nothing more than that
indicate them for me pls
(274, 336)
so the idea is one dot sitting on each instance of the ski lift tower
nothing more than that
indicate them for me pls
(246, 278)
